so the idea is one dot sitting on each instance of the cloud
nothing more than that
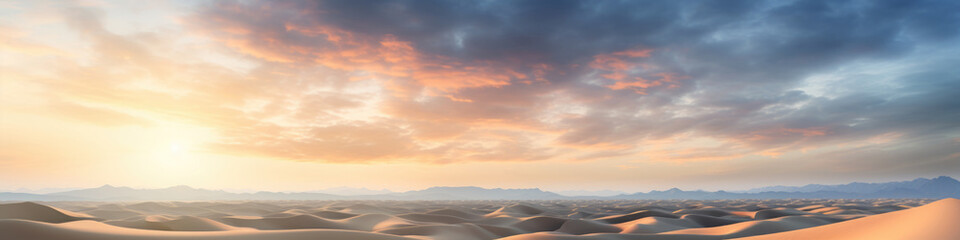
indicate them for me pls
(95, 115)
(342, 143)
(454, 81)
(290, 35)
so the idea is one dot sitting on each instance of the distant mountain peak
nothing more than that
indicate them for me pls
(478, 193)
(938, 187)
(111, 187)
(181, 187)
(454, 187)
(945, 179)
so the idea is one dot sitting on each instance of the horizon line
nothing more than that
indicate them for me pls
(234, 191)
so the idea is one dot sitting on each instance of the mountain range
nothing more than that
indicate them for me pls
(939, 187)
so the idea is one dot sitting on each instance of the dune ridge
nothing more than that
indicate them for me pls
(38, 212)
(511, 220)
(937, 220)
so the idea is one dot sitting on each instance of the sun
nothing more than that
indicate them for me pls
(176, 148)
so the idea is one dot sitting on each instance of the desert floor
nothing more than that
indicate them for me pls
(669, 219)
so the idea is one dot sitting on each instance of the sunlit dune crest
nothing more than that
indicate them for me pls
(936, 220)
(717, 219)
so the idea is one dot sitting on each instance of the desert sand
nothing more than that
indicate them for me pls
(514, 220)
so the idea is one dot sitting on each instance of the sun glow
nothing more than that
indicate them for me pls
(174, 155)
(176, 148)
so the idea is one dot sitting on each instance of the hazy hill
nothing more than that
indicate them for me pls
(476, 193)
(598, 193)
(349, 191)
(111, 193)
(858, 187)
(940, 187)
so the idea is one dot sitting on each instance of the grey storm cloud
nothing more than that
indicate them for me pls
(745, 65)
(764, 31)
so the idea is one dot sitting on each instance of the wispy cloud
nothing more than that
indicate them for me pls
(517, 81)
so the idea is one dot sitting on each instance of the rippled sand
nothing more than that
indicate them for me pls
(762, 219)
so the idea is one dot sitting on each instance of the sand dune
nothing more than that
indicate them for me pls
(937, 220)
(636, 215)
(753, 227)
(279, 223)
(656, 225)
(113, 214)
(89, 230)
(182, 223)
(333, 214)
(516, 210)
(711, 221)
(446, 231)
(579, 227)
(434, 218)
(454, 213)
(456, 220)
(37, 212)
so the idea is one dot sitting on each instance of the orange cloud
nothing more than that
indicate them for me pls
(640, 83)
(383, 56)
(94, 115)
(694, 155)
(774, 142)
(619, 61)
(619, 66)
(357, 143)
(782, 131)
(634, 53)
(615, 76)
(13, 40)
(451, 97)
(807, 132)
(686, 148)
(637, 85)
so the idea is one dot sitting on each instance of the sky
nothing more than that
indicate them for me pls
(404, 95)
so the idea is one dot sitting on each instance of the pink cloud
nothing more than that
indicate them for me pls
(384, 56)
